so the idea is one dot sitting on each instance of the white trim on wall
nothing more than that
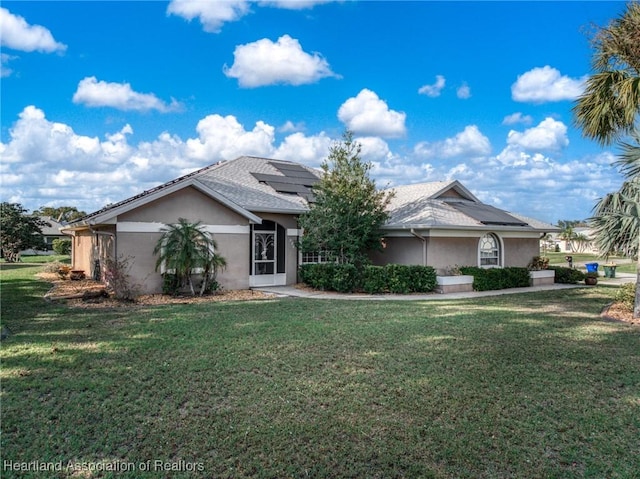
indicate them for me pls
(454, 233)
(149, 227)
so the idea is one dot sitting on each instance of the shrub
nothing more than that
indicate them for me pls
(318, 275)
(54, 267)
(117, 279)
(170, 284)
(399, 280)
(497, 278)
(423, 279)
(566, 275)
(626, 295)
(374, 279)
(393, 278)
(345, 278)
(538, 263)
(61, 246)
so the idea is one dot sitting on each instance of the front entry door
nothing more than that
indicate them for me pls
(266, 265)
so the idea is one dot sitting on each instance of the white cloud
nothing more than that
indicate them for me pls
(546, 84)
(212, 14)
(517, 117)
(225, 138)
(367, 114)
(548, 135)
(291, 127)
(48, 163)
(5, 58)
(373, 148)
(469, 143)
(310, 150)
(17, 34)
(463, 92)
(292, 4)
(94, 93)
(264, 63)
(435, 89)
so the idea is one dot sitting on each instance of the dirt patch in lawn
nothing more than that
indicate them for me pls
(618, 312)
(88, 293)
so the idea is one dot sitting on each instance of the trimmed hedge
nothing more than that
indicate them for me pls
(497, 278)
(567, 275)
(346, 278)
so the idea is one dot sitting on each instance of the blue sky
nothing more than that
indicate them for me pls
(101, 100)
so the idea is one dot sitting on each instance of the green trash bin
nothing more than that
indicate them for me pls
(609, 270)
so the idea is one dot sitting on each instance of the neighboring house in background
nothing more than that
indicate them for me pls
(581, 241)
(251, 205)
(50, 232)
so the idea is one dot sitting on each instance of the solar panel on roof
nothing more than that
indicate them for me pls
(293, 171)
(294, 180)
(486, 214)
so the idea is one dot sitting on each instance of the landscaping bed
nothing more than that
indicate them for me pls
(84, 294)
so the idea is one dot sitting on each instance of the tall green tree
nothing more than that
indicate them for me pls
(608, 108)
(345, 218)
(185, 248)
(608, 112)
(19, 231)
(61, 213)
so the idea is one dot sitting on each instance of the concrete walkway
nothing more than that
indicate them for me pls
(292, 291)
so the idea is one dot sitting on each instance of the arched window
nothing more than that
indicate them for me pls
(489, 250)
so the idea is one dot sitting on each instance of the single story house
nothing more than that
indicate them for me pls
(50, 233)
(251, 206)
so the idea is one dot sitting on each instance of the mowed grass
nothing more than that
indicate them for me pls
(526, 386)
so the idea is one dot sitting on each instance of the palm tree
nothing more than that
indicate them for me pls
(567, 234)
(608, 108)
(616, 219)
(183, 249)
(608, 111)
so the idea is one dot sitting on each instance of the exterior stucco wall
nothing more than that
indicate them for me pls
(448, 251)
(191, 204)
(139, 247)
(520, 251)
(407, 250)
(81, 250)
(89, 246)
(187, 203)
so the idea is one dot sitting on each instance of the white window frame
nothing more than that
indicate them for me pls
(499, 252)
(315, 257)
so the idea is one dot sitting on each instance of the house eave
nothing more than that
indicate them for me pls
(110, 216)
(425, 228)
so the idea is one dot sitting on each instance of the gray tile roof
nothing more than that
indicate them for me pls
(419, 206)
(429, 205)
(232, 180)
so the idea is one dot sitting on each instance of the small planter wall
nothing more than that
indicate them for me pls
(454, 284)
(542, 277)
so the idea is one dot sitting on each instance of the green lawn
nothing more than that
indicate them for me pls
(526, 386)
(625, 265)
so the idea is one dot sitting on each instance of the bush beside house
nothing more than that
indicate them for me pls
(346, 278)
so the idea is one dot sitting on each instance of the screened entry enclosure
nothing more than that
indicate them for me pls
(268, 242)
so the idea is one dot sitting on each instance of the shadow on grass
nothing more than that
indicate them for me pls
(520, 385)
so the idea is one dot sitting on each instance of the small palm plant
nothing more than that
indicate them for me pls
(185, 248)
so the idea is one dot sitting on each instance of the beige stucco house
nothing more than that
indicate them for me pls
(251, 206)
